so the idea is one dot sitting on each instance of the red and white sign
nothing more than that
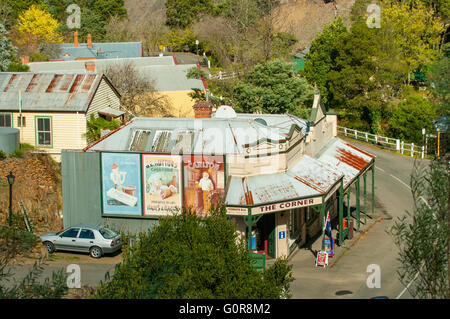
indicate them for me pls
(286, 205)
(240, 211)
(322, 259)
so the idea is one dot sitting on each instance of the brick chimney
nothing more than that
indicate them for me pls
(75, 39)
(24, 59)
(89, 66)
(89, 41)
(202, 109)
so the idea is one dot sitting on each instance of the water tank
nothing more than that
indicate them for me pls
(9, 139)
(225, 112)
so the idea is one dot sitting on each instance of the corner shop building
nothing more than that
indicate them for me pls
(279, 176)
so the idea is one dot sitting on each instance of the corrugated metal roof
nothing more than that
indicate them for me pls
(211, 135)
(344, 158)
(48, 91)
(306, 178)
(79, 66)
(282, 121)
(101, 50)
(161, 71)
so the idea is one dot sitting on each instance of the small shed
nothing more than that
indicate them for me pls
(9, 139)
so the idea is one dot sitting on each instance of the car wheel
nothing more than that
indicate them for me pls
(50, 247)
(95, 252)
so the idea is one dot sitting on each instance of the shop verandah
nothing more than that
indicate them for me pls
(282, 226)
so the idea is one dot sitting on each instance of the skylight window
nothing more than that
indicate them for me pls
(140, 140)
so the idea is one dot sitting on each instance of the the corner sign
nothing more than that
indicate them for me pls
(242, 211)
(287, 205)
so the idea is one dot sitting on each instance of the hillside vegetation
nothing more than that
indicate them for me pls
(37, 185)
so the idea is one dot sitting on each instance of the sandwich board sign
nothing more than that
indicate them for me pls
(322, 259)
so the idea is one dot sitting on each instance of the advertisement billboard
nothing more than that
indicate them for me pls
(121, 184)
(204, 182)
(161, 184)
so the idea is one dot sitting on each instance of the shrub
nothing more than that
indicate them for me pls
(411, 115)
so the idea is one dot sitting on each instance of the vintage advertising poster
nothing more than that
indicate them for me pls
(162, 189)
(121, 184)
(204, 182)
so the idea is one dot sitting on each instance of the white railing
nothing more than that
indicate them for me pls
(223, 75)
(386, 142)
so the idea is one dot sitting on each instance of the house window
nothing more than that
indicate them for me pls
(5, 120)
(44, 131)
(21, 121)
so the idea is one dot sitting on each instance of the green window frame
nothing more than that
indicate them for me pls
(6, 120)
(44, 131)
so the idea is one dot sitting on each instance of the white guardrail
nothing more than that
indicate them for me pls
(387, 142)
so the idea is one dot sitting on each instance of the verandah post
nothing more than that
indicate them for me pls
(365, 197)
(322, 214)
(341, 212)
(373, 188)
(348, 209)
(358, 206)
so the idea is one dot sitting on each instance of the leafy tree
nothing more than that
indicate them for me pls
(95, 124)
(7, 50)
(422, 235)
(180, 40)
(411, 116)
(193, 257)
(137, 91)
(11, 9)
(182, 13)
(40, 25)
(272, 87)
(321, 58)
(109, 8)
(415, 31)
(439, 78)
(18, 67)
(355, 81)
(195, 73)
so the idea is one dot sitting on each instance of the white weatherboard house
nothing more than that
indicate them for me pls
(51, 109)
(279, 176)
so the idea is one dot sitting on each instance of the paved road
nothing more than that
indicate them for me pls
(348, 276)
(92, 271)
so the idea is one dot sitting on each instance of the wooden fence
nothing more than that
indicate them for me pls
(386, 142)
(223, 75)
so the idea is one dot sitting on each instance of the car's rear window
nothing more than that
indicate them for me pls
(107, 233)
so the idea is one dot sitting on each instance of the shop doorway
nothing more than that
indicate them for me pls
(265, 241)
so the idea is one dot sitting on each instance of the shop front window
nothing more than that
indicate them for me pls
(311, 215)
(294, 225)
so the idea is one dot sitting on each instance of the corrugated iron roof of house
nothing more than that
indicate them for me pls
(344, 159)
(162, 72)
(198, 136)
(79, 66)
(170, 78)
(308, 177)
(40, 92)
(101, 50)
